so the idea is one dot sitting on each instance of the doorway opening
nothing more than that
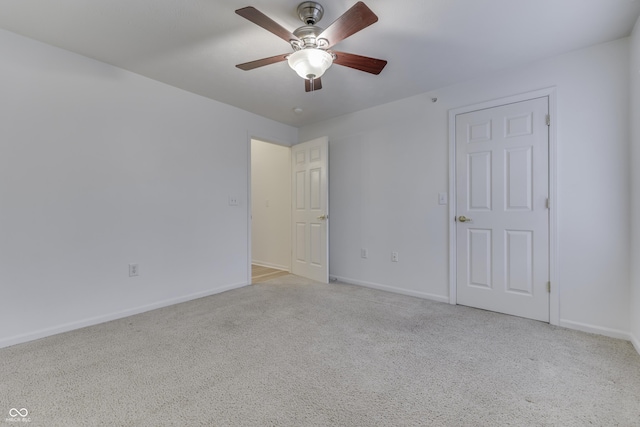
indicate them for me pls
(270, 210)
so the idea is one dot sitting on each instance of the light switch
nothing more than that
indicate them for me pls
(442, 198)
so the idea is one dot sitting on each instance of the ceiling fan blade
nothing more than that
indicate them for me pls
(262, 62)
(310, 86)
(262, 20)
(352, 21)
(362, 63)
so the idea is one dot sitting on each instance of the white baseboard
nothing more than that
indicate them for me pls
(636, 342)
(66, 327)
(393, 289)
(271, 265)
(600, 330)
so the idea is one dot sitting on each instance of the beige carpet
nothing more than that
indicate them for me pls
(295, 353)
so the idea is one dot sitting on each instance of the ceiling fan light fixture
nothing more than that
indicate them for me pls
(311, 56)
(310, 63)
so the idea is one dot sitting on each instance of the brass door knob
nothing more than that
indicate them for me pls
(463, 218)
(322, 217)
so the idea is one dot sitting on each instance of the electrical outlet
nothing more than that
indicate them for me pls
(394, 256)
(134, 270)
(233, 201)
(364, 253)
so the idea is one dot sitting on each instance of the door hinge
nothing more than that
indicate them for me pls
(548, 286)
(548, 119)
(548, 203)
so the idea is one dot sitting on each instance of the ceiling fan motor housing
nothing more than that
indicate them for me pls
(308, 37)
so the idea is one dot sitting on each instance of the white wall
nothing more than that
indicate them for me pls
(635, 185)
(100, 168)
(388, 164)
(271, 205)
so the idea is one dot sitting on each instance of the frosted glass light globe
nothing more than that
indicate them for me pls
(310, 63)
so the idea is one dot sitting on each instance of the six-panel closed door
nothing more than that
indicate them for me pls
(502, 224)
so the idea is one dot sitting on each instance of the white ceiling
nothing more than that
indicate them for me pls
(430, 44)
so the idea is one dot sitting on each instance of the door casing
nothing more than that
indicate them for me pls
(554, 304)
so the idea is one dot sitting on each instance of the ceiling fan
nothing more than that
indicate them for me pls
(311, 44)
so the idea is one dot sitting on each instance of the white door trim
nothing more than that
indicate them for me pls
(554, 303)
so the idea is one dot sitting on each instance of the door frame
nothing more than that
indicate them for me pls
(554, 303)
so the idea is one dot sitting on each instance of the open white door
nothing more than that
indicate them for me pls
(310, 204)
